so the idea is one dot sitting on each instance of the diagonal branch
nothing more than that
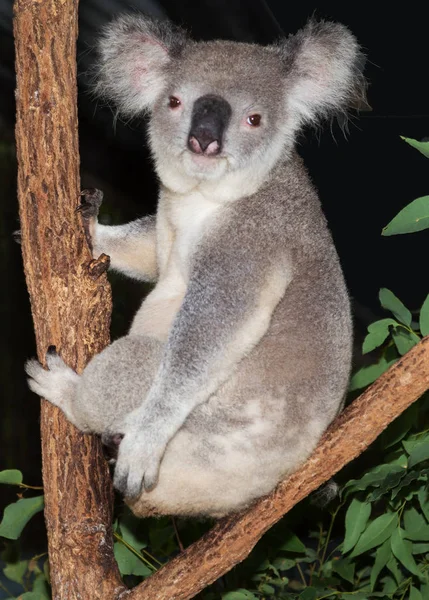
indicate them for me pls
(232, 539)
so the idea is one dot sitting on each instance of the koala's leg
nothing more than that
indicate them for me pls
(131, 247)
(112, 385)
(58, 385)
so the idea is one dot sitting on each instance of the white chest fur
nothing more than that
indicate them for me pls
(181, 223)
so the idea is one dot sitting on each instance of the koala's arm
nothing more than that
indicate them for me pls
(131, 247)
(237, 278)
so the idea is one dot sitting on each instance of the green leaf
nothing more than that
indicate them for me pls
(11, 476)
(415, 594)
(376, 533)
(402, 549)
(422, 147)
(391, 480)
(128, 562)
(308, 594)
(404, 482)
(40, 585)
(240, 594)
(16, 571)
(377, 334)
(32, 596)
(420, 548)
(415, 525)
(369, 374)
(393, 566)
(292, 543)
(423, 496)
(382, 556)
(345, 569)
(424, 317)
(357, 516)
(283, 564)
(375, 477)
(404, 340)
(17, 515)
(267, 589)
(389, 301)
(414, 217)
(418, 454)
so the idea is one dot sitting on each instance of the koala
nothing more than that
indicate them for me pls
(239, 358)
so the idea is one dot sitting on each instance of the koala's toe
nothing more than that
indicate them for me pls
(90, 202)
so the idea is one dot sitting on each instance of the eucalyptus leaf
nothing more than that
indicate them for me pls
(377, 334)
(377, 532)
(309, 593)
(368, 374)
(393, 566)
(413, 217)
(424, 317)
(402, 549)
(415, 525)
(404, 340)
(16, 571)
(382, 556)
(418, 454)
(415, 594)
(11, 476)
(128, 562)
(420, 548)
(422, 147)
(240, 594)
(292, 543)
(17, 515)
(389, 301)
(357, 516)
(423, 496)
(345, 568)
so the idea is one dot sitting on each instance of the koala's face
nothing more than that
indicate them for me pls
(222, 109)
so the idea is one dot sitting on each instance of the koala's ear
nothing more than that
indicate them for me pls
(323, 71)
(134, 55)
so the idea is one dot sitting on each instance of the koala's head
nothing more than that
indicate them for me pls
(219, 108)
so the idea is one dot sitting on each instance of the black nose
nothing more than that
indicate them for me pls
(210, 118)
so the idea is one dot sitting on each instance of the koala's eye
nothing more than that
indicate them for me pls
(254, 120)
(174, 102)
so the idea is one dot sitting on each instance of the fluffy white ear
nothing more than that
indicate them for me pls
(134, 55)
(324, 71)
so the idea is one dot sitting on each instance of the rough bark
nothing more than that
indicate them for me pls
(232, 539)
(70, 305)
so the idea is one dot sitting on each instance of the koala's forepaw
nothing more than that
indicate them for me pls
(17, 236)
(91, 200)
(139, 459)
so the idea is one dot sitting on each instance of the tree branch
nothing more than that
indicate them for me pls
(70, 305)
(233, 538)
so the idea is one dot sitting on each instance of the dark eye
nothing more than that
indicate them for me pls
(174, 102)
(254, 120)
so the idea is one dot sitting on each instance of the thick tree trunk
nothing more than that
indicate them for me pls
(70, 306)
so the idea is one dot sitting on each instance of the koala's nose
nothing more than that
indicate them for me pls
(210, 118)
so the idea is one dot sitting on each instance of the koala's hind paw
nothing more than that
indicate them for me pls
(57, 385)
(91, 200)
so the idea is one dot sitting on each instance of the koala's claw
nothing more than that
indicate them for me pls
(17, 236)
(139, 459)
(91, 200)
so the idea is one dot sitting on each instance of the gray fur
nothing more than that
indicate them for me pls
(239, 358)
